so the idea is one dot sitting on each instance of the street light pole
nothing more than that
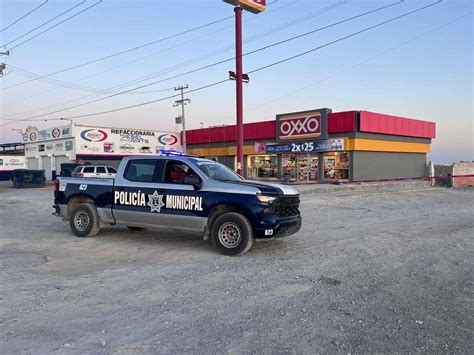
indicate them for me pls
(239, 92)
(66, 119)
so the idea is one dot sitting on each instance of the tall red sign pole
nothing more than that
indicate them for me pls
(238, 89)
(253, 6)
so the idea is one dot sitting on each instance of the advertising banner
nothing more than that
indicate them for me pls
(59, 147)
(34, 135)
(118, 141)
(323, 145)
(259, 147)
(12, 162)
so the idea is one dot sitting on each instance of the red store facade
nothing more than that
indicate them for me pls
(322, 146)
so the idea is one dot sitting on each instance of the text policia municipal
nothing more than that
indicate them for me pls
(155, 201)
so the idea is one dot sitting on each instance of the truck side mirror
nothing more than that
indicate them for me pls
(192, 180)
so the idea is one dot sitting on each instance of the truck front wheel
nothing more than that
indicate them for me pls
(232, 234)
(84, 220)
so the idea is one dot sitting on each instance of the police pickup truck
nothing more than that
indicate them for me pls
(180, 193)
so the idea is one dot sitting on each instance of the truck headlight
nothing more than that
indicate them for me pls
(266, 199)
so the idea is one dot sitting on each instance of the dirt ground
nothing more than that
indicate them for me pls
(369, 272)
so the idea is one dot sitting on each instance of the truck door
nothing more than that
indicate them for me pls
(184, 205)
(135, 199)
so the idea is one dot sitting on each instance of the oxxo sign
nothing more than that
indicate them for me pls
(302, 125)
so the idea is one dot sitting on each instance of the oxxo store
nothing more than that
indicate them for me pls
(323, 146)
(48, 148)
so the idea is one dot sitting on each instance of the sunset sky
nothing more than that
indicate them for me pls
(419, 66)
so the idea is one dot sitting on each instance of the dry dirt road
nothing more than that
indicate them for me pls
(368, 272)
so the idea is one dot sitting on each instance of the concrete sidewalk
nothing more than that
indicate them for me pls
(366, 186)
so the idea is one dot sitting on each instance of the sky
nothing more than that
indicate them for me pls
(420, 66)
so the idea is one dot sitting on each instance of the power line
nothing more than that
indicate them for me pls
(145, 45)
(63, 84)
(224, 49)
(193, 60)
(220, 62)
(56, 25)
(44, 23)
(125, 51)
(364, 61)
(149, 102)
(343, 38)
(261, 68)
(21, 18)
(123, 108)
(179, 65)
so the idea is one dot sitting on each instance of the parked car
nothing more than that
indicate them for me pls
(180, 193)
(97, 171)
(68, 168)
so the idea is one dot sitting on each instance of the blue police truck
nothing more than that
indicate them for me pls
(180, 193)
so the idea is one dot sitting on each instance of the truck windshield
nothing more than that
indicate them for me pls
(217, 171)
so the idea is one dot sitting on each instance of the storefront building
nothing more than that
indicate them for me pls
(322, 146)
(47, 149)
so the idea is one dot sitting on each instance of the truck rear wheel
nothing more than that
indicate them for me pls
(84, 220)
(232, 234)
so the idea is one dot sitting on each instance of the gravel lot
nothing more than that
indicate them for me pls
(380, 271)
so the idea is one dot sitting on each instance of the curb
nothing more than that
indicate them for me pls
(366, 187)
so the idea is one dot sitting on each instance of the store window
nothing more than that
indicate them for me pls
(262, 166)
(336, 165)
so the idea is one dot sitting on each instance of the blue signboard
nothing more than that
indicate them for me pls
(322, 145)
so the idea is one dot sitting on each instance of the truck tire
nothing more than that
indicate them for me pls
(84, 220)
(232, 234)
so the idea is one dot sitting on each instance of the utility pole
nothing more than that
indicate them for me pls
(182, 102)
(3, 65)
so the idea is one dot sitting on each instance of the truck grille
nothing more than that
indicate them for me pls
(287, 206)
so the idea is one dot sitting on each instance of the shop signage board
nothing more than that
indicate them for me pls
(119, 141)
(303, 125)
(59, 147)
(323, 145)
(35, 135)
(254, 6)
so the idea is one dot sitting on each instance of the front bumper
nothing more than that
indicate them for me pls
(282, 227)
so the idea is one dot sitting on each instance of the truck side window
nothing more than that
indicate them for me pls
(176, 171)
(100, 170)
(141, 170)
(88, 169)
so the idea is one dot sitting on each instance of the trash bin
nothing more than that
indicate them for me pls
(286, 177)
(28, 178)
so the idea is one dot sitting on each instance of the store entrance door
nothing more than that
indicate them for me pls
(308, 168)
